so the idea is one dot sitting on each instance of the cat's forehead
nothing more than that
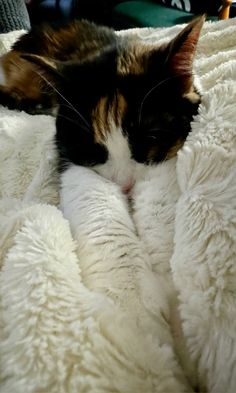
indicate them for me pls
(106, 112)
(133, 58)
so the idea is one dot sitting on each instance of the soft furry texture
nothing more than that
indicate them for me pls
(71, 319)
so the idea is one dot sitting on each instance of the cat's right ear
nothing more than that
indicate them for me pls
(177, 56)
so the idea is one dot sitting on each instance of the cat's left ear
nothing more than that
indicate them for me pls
(45, 64)
(179, 54)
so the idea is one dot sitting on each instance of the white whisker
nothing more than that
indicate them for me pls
(64, 98)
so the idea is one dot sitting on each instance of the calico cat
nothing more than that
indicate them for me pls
(122, 107)
(121, 103)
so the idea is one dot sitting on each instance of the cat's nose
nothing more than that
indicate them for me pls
(127, 187)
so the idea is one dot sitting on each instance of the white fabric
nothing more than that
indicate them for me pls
(64, 328)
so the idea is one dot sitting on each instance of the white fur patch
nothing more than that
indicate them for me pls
(120, 167)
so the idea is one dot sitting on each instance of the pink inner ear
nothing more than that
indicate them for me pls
(182, 52)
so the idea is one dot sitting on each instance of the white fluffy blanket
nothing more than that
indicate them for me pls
(73, 318)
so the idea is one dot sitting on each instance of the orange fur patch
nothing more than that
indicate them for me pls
(105, 111)
(22, 80)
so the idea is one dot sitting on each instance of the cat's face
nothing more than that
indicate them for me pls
(128, 106)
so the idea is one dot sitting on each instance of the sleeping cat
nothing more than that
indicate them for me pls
(122, 107)
(122, 103)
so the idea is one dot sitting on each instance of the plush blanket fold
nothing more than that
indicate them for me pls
(71, 321)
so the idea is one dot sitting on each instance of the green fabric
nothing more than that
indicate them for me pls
(146, 13)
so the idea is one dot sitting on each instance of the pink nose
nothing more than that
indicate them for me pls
(126, 188)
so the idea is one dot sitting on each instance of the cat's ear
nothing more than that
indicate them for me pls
(85, 69)
(45, 64)
(179, 54)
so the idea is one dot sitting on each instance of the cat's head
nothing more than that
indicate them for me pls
(127, 105)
